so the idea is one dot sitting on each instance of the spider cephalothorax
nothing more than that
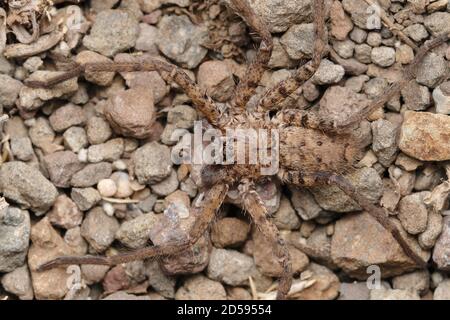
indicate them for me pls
(311, 150)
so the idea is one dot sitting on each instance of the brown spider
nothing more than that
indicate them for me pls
(312, 150)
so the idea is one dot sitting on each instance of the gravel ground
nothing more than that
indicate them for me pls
(86, 165)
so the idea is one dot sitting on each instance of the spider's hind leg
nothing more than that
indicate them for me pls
(258, 213)
(378, 213)
(211, 203)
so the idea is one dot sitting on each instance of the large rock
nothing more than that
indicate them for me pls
(438, 23)
(279, 15)
(360, 241)
(425, 136)
(26, 186)
(14, 238)
(47, 245)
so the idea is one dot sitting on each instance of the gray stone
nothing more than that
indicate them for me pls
(427, 239)
(432, 70)
(200, 287)
(418, 281)
(413, 213)
(181, 40)
(99, 229)
(27, 186)
(161, 283)
(441, 251)
(359, 11)
(298, 41)
(230, 267)
(280, 15)
(417, 32)
(393, 294)
(152, 163)
(442, 292)
(344, 48)
(14, 238)
(438, 23)
(182, 116)
(286, 217)
(328, 73)
(61, 166)
(21, 148)
(85, 198)
(113, 31)
(358, 35)
(416, 97)
(135, 233)
(366, 180)
(66, 117)
(75, 139)
(167, 186)
(354, 291)
(384, 144)
(98, 130)
(91, 175)
(9, 90)
(18, 282)
(383, 56)
(109, 151)
(441, 97)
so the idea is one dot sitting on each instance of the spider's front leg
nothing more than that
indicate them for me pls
(211, 203)
(272, 99)
(167, 70)
(258, 213)
(255, 70)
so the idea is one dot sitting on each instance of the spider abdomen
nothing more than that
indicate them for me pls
(310, 151)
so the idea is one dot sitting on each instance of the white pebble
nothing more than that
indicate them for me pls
(30, 122)
(83, 155)
(108, 208)
(397, 173)
(107, 188)
(123, 184)
(119, 165)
